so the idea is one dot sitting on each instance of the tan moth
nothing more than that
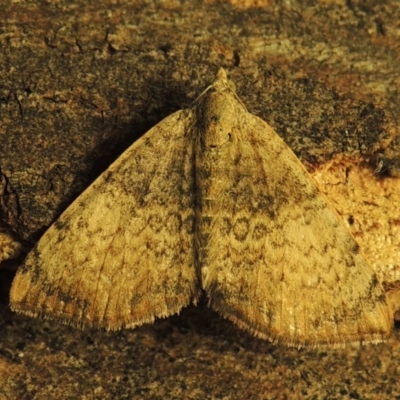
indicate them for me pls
(211, 199)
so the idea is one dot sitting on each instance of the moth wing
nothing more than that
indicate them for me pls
(280, 263)
(122, 253)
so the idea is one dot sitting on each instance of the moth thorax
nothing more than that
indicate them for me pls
(219, 114)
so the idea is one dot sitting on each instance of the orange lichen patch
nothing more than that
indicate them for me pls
(369, 205)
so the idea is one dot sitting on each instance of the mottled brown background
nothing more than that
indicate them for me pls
(80, 80)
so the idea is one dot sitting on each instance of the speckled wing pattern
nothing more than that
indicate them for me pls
(122, 253)
(211, 198)
(275, 257)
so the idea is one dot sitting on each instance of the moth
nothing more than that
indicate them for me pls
(209, 200)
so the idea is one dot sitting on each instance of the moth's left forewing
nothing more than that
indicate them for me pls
(279, 262)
